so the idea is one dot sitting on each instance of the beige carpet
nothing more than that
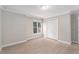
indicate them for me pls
(42, 46)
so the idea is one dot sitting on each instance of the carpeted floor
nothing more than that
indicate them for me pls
(42, 46)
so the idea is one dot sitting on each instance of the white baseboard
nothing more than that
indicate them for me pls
(61, 41)
(14, 43)
(51, 38)
(69, 43)
(75, 42)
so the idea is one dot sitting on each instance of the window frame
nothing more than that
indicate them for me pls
(38, 21)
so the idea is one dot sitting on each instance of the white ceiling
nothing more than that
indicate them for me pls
(35, 10)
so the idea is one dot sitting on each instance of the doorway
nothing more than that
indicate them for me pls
(52, 28)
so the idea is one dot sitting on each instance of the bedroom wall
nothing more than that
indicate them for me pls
(64, 28)
(0, 29)
(16, 27)
(45, 28)
(74, 28)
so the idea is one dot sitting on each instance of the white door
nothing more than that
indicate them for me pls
(52, 29)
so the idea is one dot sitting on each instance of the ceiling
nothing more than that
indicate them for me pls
(34, 10)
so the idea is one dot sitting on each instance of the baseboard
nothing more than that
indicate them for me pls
(51, 38)
(61, 41)
(74, 42)
(19, 42)
(14, 43)
(69, 43)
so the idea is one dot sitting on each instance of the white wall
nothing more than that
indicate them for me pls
(45, 28)
(16, 27)
(74, 28)
(0, 29)
(78, 29)
(59, 27)
(52, 28)
(64, 28)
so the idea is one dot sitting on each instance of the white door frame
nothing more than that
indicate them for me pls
(55, 18)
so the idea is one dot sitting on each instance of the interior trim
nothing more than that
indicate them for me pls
(69, 43)
(65, 42)
(14, 43)
(26, 39)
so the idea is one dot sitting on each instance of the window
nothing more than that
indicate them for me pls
(36, 27)
(39, 27)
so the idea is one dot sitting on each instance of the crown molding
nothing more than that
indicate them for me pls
(1, 7)
(31, 15)
(63, 13)
(19, 12)
(76, 12)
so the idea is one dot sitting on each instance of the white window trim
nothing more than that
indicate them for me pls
(37, 27)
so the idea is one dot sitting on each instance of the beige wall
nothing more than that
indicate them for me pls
(16, 27)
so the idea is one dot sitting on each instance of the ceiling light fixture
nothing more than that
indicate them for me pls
(44, 7)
